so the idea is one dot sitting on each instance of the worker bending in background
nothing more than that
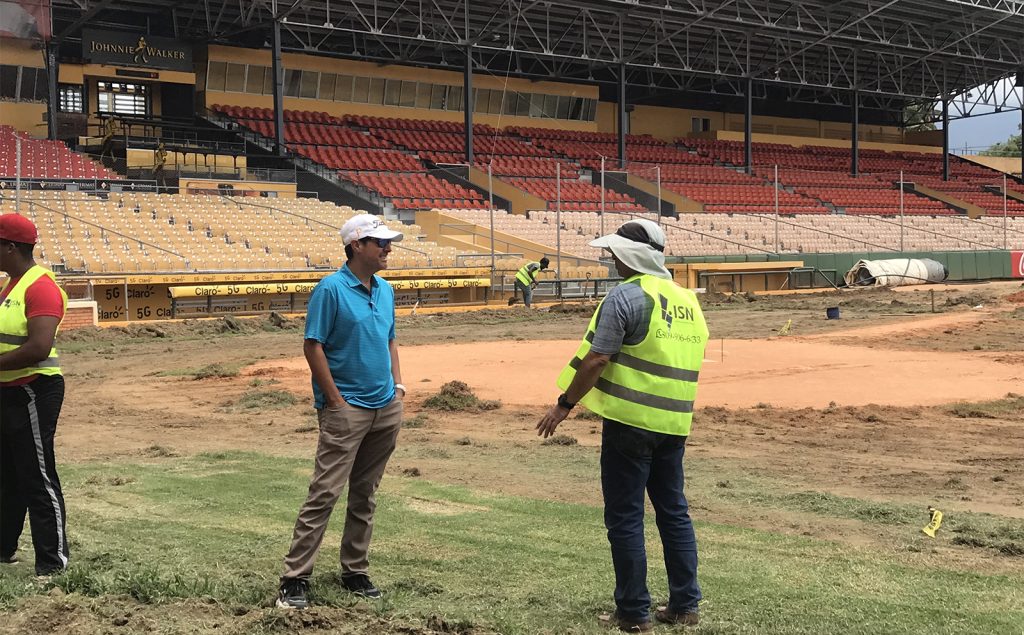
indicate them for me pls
(526, 280)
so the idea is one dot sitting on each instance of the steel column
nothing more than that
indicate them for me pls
(622, 116)
(53, 97)
(278, 76)
(467, 103)
(945, 139)
(748, 127)
(855, 135)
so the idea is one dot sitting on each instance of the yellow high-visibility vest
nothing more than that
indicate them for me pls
(653, 384)
(523, 275)
(14, 326)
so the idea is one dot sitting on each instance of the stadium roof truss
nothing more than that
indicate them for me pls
(889, 52)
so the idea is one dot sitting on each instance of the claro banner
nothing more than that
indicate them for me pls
(133, 49)
(1017, 264)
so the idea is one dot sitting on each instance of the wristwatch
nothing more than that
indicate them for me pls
(565, 403)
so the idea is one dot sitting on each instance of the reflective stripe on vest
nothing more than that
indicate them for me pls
(14, 327)
(653, 384)
(523, 275)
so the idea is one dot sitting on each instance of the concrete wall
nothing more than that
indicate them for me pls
(670, 123)
(1009, 165)
(366, 69)
(28, 117)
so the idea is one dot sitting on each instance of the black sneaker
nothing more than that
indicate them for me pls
(11, 559)
(359, 584)
(293, 594)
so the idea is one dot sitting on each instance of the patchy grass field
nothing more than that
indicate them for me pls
(153, 537)
(183, 473)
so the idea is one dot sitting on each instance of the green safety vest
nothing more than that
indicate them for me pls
(653, 384)
(523, 275)
(14, 327)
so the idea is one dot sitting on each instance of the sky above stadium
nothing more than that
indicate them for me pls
(979, 132)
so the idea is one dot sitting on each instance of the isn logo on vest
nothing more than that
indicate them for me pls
(669, 313)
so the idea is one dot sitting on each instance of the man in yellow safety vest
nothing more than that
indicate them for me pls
(526, 280)
(637, 368)
(31, 394)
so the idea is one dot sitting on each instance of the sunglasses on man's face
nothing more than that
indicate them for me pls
(383, 243)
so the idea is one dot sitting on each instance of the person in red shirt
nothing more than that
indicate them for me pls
(31, 394)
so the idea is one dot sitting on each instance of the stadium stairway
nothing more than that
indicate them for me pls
(459, 174)
(618, 182)
(310, 176)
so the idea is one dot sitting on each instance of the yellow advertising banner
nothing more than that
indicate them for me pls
(248, 289)
(271, 277)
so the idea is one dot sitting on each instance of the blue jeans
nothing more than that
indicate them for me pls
(632, 460)
(527, 292)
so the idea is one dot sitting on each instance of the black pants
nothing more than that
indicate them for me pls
(28, 473)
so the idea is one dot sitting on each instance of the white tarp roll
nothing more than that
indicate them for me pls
(896, 272)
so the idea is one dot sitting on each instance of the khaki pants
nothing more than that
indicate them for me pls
(354, 447)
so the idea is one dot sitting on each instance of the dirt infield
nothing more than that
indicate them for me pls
(797, 372)
(783, 373)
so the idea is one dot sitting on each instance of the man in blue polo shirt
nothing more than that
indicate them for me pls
(357, 386)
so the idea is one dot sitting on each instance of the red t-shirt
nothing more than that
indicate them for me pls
(42, 299)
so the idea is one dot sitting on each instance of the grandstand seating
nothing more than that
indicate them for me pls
(705, 234)
(375, 160)
(140, 232)
(822, 172)
(357, 145)
(811, 179)
(587, 148)
(418, 191)
(539, 227)
(43, 159)
(533, 167)
(373, 163)
(575, 195)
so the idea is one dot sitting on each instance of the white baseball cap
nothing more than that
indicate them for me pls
(367, 226)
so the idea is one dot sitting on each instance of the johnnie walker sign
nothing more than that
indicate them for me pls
(137, 50)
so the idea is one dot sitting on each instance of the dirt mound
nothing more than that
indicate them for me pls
(1016, 298)
(585, 308)
(77, 615)
(971, 299)
(457, 396)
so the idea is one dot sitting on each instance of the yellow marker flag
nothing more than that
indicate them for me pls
(785, 329)
(933, 526)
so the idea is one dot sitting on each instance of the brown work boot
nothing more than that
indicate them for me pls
(666, 615)
(626, 626)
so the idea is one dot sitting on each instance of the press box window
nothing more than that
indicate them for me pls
(308, 84)
(122, 99)
(234, 82)
(28, 84)
(71, 99)
(255, 78)
(9, 81)
(215, 75)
